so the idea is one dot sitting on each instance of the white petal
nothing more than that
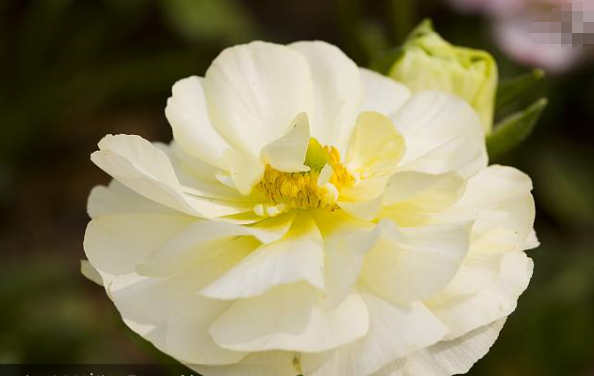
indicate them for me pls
(430, 122)
(412, 264)
(497, 300)
(298, 256)
(382, 94)
(253, 92)
(375, 146)
(423, 191)
(288, 152)
(160, 309)
(145, 169)
(448, 357)
(117, 199)
(366, 210)
(337, 91)
(290, 318)
(394, 332)
(117, 243)
(203, 239)
(344, 250)
(188, 115)
(245, 171)
(268, 363)
(90, 272)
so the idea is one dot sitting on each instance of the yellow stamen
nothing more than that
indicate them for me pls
(301, 189)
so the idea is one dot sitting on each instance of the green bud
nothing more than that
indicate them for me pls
(428, 62)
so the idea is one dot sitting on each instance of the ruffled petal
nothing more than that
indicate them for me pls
(382, 94)
(267, 363)
(337, 91)
(253, 91)
(291, 318)
(288, 152)
(412, 264)
(188, 115)
(394, 332)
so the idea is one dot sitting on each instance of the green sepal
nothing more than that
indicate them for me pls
(515, 88)
(514, 129)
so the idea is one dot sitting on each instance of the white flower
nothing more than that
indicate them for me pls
(313, 218)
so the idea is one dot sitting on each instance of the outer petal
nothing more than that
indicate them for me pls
(382, 94)
(166, 310)
(412, 264)
(394, 332)
(443, 134)
(117, 243)
(337, 91)
(253, 92)
(448, 357)
(145, 169)
(298, 256)
(290, 318)
(245, 170)
(492, 303)
(188, 115)
(268, 363)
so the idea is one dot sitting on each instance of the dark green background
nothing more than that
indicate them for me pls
(72, 71)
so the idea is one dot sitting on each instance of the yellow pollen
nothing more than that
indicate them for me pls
(301, 189)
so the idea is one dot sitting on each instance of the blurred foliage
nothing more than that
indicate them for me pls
(72, 71)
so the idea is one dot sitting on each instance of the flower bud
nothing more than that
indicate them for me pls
(428, 62)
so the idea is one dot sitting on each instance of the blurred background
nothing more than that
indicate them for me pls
(72, 71)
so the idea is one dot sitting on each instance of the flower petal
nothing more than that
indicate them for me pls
(337, 91)
(430, 192)
(187, 113)
(253, 92)
(290, 318)
(412, 264)
(288, 152)
(245, 171)
(498, 300)
(298, 256)
(448, 358)
(147, 170)
(375, 146)
(117, 243)
(443, 134)
(382, 94)
(267, 363)
(394, 332)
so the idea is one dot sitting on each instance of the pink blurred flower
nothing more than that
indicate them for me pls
(511, 20)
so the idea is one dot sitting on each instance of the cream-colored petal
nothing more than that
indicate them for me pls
(431, 121)
(448, 358)
(267, 363)
(202, 239)
(90, 272)
(382, 94)
(188, 115)
(117, 243)
(147, 170)
(117, 199)
(366, 210)
(375, 146)
(498, 300)
(150, 306)
(288, 152)
(428, 192)
(412, 264)
(298, 256)
(394, 332)
(291, 318)
(253, 91)
(337, 91)
(245, 171)
(344, 251)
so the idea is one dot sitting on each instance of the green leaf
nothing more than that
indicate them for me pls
(510, 90)
(514, 129)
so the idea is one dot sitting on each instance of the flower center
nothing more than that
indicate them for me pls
(317, 188)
